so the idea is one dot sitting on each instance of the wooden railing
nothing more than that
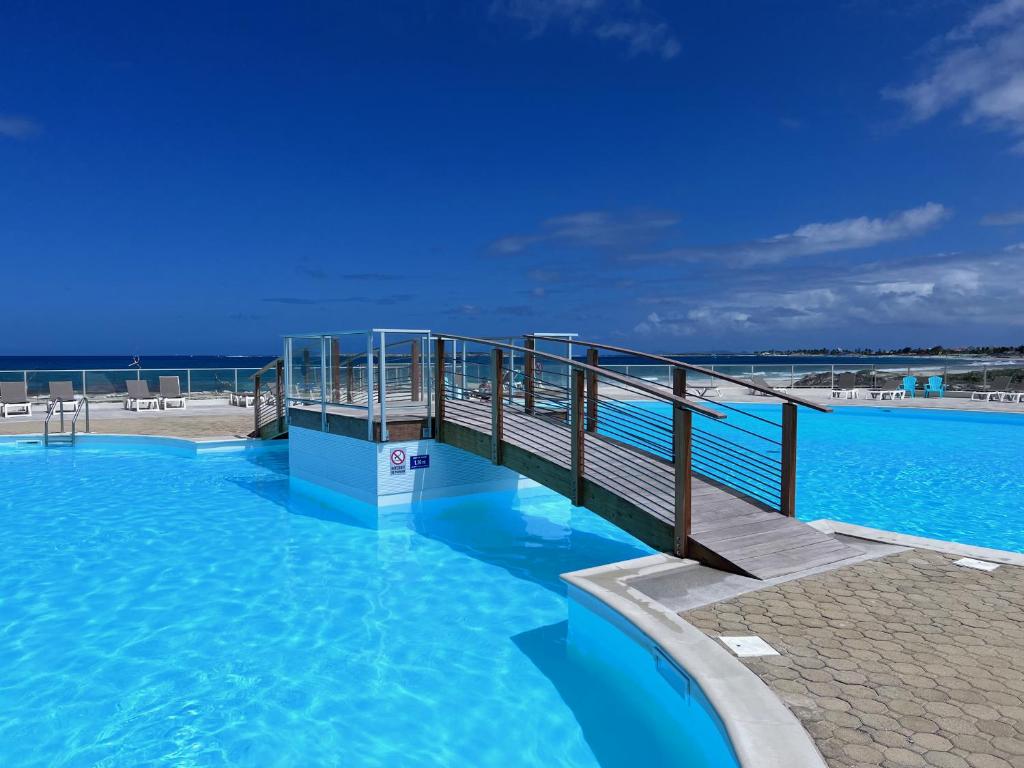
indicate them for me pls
(268, 403)
(724, 455)
(573, 399)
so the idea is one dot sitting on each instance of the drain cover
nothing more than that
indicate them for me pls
(748, 646)
(978, 565)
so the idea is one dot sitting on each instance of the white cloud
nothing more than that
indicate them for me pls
(15, 127)
(642, 37)
(595, 229)
(813, 239)
(627, 21)
(978, 71)
(1007, 219)
(947, 292)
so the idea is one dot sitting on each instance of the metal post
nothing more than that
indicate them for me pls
(383, 389)
(578, 432)
(349, 379)
(369, 386)
(430, 387)
(591, 378)
(787, 502)
(414, 371)
(440, 387)
(323, 383)
(496, 406)
(257, 384)
(188, 382)
(335, 370)
(529, 367)
(236, 380)
(84, 393)
(511, 371)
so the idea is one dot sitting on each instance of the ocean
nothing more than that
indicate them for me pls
(177, 362)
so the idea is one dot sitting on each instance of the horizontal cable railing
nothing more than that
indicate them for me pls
(751, 452)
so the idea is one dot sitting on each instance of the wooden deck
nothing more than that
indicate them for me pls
(635, 491)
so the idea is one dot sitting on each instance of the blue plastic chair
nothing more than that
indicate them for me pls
(909, 386)
(935, 386)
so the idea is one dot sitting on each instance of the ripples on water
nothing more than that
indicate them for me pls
(165, 609)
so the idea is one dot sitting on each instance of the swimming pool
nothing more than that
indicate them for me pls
(943, 474)
(161, 607)
(956, 476)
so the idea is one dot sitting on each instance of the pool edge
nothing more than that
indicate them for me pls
(763, 732)
(1001, 556)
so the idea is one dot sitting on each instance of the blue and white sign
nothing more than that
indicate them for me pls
(419, 462)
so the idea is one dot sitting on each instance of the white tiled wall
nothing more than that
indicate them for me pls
(338, 463)
(365, 470)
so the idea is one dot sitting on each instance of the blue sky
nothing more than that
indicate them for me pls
(201, 178)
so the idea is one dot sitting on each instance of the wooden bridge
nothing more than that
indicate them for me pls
(681, 471)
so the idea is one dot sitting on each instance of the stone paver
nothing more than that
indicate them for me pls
(907, 660)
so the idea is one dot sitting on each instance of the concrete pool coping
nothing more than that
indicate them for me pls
(192, 444)
(1001, 556)
(763, 732)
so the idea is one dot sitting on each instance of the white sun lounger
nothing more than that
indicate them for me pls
(139, 396)
(170, 392)
(14, 394)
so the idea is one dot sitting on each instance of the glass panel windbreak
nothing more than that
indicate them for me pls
(39, 381)
(108, 384)
(347, 369)
(406, 369)
(305, 368)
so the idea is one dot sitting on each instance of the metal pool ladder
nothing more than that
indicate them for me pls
(57, 406)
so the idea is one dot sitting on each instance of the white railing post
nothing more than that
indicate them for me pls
(323, 384)
(369, 386)
(383, 389)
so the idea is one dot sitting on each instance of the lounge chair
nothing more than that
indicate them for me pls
(759, 381)
(887, 390)
(63, 393)
(935, 386)
(139, 395)
(999, 389)
(14, 394)
(170, 392)
(846, 386)
(244, 399)
(910, 386)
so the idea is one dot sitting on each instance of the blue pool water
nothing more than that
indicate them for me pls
(957, 476)
(161, 608)
(941, 474)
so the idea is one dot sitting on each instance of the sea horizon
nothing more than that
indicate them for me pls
(165, 362)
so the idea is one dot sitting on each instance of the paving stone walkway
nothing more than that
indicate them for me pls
(907, 660)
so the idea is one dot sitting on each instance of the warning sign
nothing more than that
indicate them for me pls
(398, 462)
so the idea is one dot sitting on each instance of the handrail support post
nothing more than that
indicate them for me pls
(529, 371)
(787, 502)
(578, 429)
(592, 360)
(682, 459)
(440, 389)
(497, 406)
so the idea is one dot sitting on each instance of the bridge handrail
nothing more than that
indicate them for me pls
(691, 367)
(658, 393)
